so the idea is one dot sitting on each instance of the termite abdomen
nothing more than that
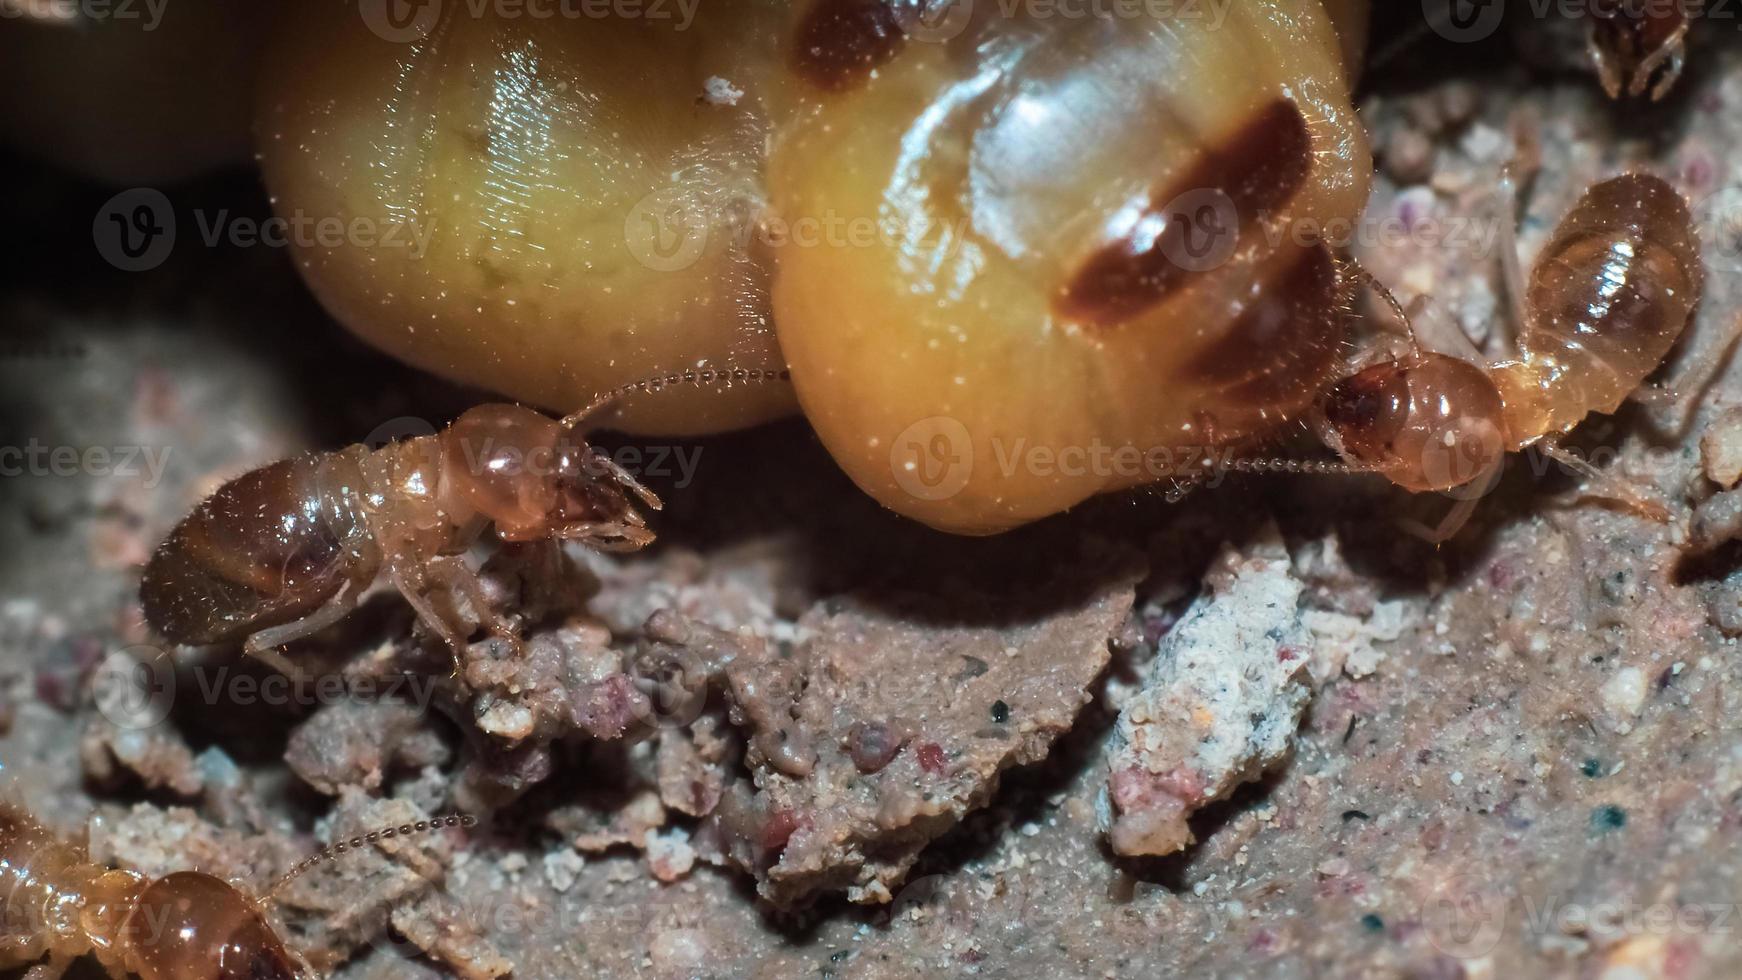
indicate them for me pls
(1609, 295)
(1618, 279)
(269, 547)
(190, 925)
(26, 849)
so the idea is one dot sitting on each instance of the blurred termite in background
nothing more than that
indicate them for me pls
(187, 925)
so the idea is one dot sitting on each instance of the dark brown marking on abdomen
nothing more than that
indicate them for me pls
(1257, 170)
(1279, 348)
(841, 42)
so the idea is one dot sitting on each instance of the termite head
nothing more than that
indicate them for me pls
(537, 477)
(1426, 421)
(192, 926)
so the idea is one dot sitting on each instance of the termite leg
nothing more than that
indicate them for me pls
(1357, 276)
(608, 536)
(629, 481)
(406, 570)
(49, 969)
(1453, 339)
(1449, 525)
(1656, 396)
(1693, 380)
(265, 644)
(1466, 498)
(1511, 266)
(1606, 485)
(457, 579)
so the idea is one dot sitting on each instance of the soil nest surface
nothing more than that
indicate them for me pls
(1259, 732)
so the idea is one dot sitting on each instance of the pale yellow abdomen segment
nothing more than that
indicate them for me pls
(998, 322)
(1609, 296)
(542, 207)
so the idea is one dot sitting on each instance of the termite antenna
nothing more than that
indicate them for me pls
(338, 848)
(1185, 484)
(1403, 42)
(1357, 276)
(724, 377)
(702, 377)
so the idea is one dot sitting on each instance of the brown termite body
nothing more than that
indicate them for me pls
(1606, 300)
(187, 925)
(285, 550)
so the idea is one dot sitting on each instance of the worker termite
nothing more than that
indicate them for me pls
(187, 925)
(285, 550)
(1607, 299)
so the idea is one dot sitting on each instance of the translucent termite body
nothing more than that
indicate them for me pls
(187, 925)
(1606, 300)
(285, 550)
(183, 926)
